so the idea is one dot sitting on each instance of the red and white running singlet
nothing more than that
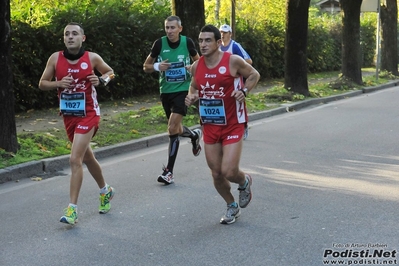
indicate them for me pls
(80, 99)
(216, 104)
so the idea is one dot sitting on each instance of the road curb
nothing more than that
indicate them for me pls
(49, 166)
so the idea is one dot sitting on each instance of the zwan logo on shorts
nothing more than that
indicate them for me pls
(232, 137)
(83, 127)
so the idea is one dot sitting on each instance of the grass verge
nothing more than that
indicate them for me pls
(144, 122)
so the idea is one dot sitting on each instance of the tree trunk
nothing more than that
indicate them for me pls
(192, 15)
(217, 10)
(389, 41)
(296, 69)
(8, 135)
(351, 52)
(233, 19)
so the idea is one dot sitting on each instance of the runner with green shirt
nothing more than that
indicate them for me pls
(171, 56)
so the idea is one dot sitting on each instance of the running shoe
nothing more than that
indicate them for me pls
(105, 200)
(70, 216)
(246, 133)
(231, 214)
(196, 142)
(245, 194)
(166, 177)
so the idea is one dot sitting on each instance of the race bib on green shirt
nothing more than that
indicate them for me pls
(176, 72)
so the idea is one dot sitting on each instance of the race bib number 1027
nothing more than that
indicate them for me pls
(73, 104)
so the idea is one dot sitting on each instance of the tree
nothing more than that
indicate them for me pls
(233, 19)
(8, 135)
(389, 41)
(351, 52)
(217, 9)
(295, 76)
(192, 15)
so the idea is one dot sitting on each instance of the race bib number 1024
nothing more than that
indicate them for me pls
(212, 111)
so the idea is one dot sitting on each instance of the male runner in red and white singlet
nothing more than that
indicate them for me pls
(75, 81)
(218, 86)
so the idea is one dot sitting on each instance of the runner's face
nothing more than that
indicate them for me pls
(226, 36)
(73, 37)
(207, 43)
(172, 30)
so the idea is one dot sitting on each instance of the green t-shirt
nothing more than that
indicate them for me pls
(176, 78)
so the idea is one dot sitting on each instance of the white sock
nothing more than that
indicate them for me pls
(73, 205)
(104, 190)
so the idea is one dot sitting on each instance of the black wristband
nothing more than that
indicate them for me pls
(243, 91)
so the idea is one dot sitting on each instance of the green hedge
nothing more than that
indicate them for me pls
(122, 32)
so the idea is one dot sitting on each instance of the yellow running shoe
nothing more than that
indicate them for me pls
(70, 217)
(105, 204)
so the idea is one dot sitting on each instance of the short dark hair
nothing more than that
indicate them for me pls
(77, 24)
(174, 18)
(211, 28)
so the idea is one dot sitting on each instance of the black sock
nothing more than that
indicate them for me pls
(173, 149)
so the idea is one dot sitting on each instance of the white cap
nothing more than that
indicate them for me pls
(225, 28)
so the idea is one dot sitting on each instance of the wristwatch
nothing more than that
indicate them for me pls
(104, 81)
(245, 91)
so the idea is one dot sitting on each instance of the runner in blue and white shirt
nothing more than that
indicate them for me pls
(233, 47)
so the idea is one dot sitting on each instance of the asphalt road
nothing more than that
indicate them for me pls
(326, 188)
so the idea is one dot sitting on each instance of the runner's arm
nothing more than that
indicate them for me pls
(148, 65)
(239, 50)
(246, 70)
(47, 81)
(192, 50)
(192, 95)
(107, 73)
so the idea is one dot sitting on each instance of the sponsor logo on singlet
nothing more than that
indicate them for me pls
(222, 70)
(84, 65)
(70, 70)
